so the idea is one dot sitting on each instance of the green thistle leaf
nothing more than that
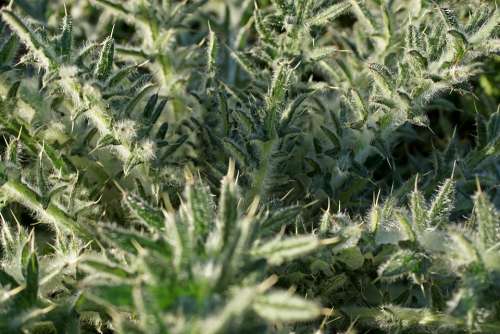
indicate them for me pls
(329, 13)
(66, 39)
(145, 213)
(283, 306)
(383, 78)
(105, 62)
(277, 251)
(441, 204)
(488, 221)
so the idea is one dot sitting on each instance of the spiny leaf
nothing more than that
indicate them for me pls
(358, 103)
(401, 264)
(150, 105)
(41, 50)
(418, 209)
(277, 251)
(283, 306)
(485, 25)
(375, 217)
(264, 33)
(245, 62)
(212, 51)
(9, 49)
(173, 147)
(321, 53)
(104, 267)
(279, 85)
(162, 131)
(332, 136)
(128, 240)
(52, 213)
(147, 215)
(237, 152)
(351, 257)
(276, 96)
(449, 17)
(66, 38)
(276, 219)
(32, 273)
(461, 250)
(442, 203)
(458, 43)
(228, 205)
(383, 78)
(137, 98)
(411, 37)
(417, 59)
(120, 75)
(199, 208)
(105, 62)
(488, 221)
(329, 13)
(158, 111)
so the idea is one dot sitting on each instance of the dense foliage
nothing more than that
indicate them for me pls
(224, 166)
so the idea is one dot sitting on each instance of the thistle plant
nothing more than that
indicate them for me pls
(429, 273)
(197, 269)
(37, 291)
(249, 166)
(320, 115)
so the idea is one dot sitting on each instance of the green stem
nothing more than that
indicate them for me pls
(258, 186)
(27, 197)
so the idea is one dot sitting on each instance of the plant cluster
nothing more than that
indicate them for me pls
(249, 166)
